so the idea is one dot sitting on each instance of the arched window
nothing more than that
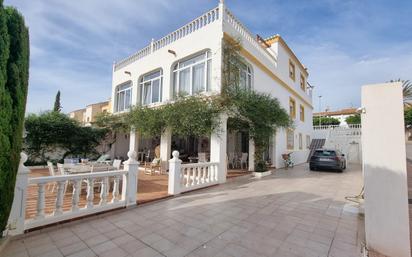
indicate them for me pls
(193, 75)
(151, 87)
(123, 97)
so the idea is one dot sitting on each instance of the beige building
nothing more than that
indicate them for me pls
(87, 115)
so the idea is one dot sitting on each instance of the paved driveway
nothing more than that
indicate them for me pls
(291, 213)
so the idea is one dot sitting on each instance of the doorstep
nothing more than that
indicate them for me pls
(262, 174)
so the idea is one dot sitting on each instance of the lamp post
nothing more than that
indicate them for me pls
(320, 109)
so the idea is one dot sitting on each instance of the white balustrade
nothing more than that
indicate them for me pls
(198, 23)
(187, 177)
(96, 180)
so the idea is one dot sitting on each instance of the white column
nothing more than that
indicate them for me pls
(174, 174)
(165, 147)
(251, 155)
(218, 143)
(130, 179)
(18, 209)
(385, 170)
(134, 141)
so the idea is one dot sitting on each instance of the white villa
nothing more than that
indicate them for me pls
(189, 59)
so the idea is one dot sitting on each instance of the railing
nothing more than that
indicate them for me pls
(198, 175)
(251, 38)
(349, 126)
(198, 23)
(108, 200)
(187, 177)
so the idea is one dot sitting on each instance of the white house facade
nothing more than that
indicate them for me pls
(190, 59)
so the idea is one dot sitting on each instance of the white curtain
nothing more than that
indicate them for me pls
(184, 81)
(146, 93)
(199, 78)
(155, 91)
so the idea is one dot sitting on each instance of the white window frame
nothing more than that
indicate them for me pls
(123, 108)
(177, 69)
(142, 81)
(249, 74)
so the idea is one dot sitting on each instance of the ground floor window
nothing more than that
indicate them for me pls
(290, 139)
(300, 141)
(307, 141)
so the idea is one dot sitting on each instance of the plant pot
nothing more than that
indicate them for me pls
(262, 174)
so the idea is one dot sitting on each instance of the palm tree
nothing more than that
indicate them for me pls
(407, 92)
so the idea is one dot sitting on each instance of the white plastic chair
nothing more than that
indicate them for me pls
(202, 157)
(52, 173)
(231, 159)
(116, 164)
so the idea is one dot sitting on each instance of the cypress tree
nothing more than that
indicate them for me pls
(14, 73)
(57, 106)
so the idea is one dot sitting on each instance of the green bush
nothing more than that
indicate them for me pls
(14, 72)
(353, 119)
(51, 130)
(317, 120)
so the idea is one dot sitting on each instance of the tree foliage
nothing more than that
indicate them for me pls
(353, 119)
(57, 106)
(14, 72)
(51, 130)
(406, 91)
(327, 121)
(408, 117)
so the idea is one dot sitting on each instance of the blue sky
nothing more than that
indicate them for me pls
(344, 43)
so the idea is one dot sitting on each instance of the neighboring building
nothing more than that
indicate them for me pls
(190, 60)
(87, 115)
(341, 115)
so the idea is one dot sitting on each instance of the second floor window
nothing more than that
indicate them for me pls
(123, 97)
(292, 108)
(192, 76)
(151, 88)
(245, 77)
(292, 73)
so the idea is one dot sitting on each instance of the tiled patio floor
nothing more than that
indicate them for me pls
(291, 213)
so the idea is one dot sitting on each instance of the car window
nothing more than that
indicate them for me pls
(325, 153)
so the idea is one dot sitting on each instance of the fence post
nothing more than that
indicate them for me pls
(130, 179)
(174, 174)
(18, 209)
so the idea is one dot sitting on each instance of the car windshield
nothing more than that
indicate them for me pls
(325, 153)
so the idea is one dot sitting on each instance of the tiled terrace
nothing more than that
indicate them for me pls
(291, 213)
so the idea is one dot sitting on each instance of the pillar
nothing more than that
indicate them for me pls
(273, 149)
(218, 144)
(18, 209)
(174, 174)
(251, 154)
(165, 147)
(130, 180)
(134, 141)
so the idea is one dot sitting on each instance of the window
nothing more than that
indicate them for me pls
(193, 76)
(151, 88)
(292, 70)
(302, 82)
(300, 141)
(292, 108)
(308, 141)
(290, 140)
(302, 113)
(123, 97)
(245, 77)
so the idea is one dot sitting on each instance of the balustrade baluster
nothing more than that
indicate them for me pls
(104, 191)
(90, 193)
(76, 194)
(59, 198)
(115, 189)
(187, 176)
(40, 201)
(204, 169)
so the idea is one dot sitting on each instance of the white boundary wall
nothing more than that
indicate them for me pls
(384, 167)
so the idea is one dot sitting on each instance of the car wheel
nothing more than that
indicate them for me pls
(312, 168)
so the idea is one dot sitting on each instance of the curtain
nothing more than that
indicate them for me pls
(184, 81)
(198, 78)
(155, 91)
(146, 93)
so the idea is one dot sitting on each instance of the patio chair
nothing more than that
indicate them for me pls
(116, 164)
(202, 157)
(231, 160)
(244, 160)
(60, 168)
(52, 173)
(156, 165)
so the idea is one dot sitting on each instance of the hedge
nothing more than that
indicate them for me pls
(14, 73)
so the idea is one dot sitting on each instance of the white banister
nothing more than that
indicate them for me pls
(90, 193)
(174, 174)
(41, 201)
(130, 182)
(59, 198)
(76, 195)
(18, 209)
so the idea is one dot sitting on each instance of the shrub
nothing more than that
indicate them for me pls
(317, 120)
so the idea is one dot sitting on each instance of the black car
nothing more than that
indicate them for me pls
(327, 159)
